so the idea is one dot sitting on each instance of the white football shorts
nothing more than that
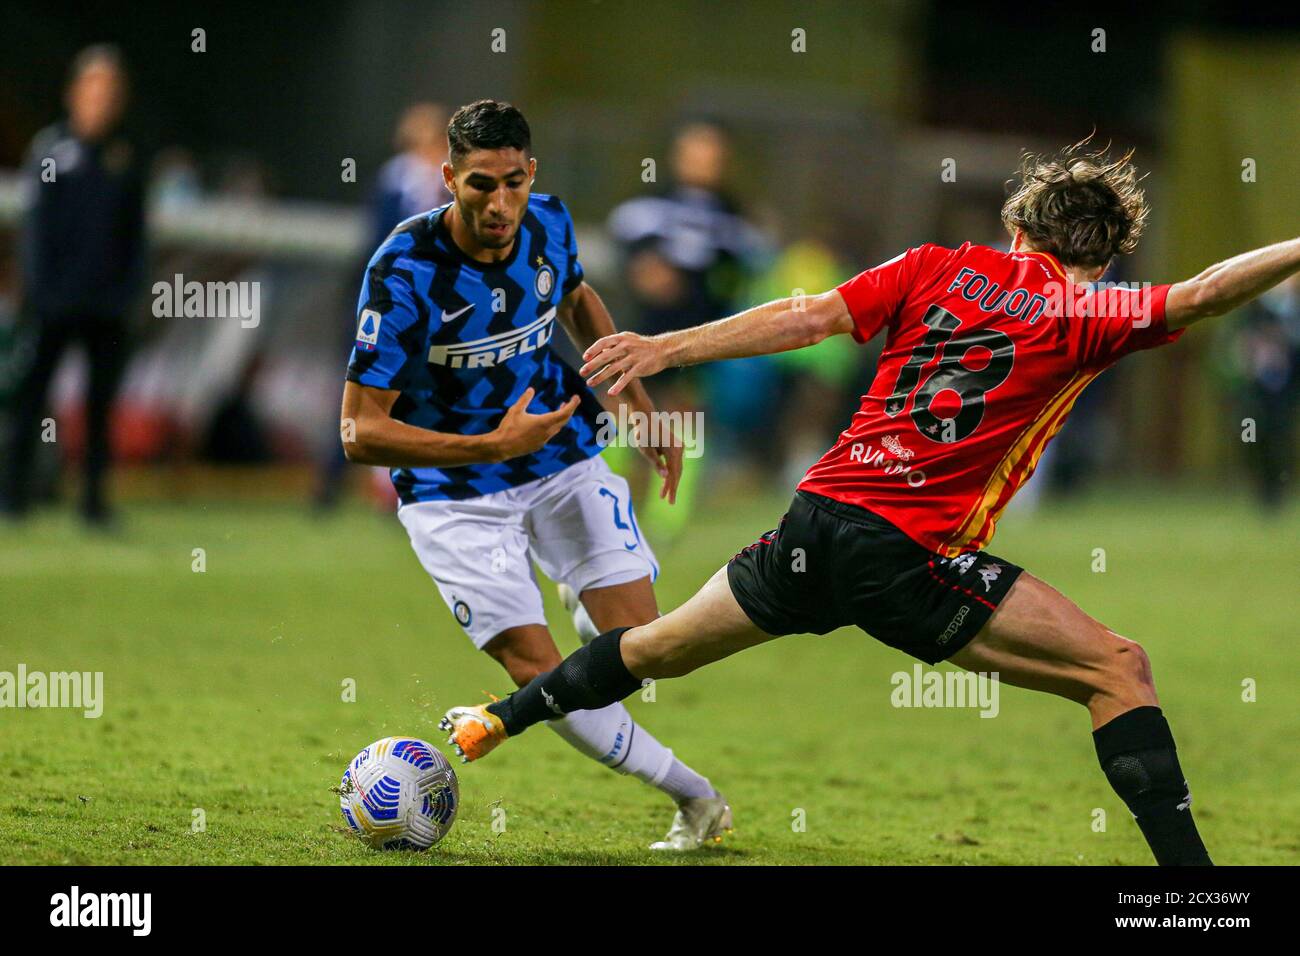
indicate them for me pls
(577, 524)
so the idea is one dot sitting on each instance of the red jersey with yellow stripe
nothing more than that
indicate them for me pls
(985, 354)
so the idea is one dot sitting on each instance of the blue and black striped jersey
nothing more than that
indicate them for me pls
(461, 340)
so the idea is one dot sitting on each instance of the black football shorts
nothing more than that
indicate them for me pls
(831, 564)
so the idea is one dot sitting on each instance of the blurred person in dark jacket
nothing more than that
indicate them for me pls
(1268, 360)
(688, 255)
(688, 250)
(411, 182)
(82, 264)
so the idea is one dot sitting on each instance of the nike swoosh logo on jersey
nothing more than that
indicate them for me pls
(456, 314)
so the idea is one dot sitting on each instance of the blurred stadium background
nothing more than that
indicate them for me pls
(836, 163)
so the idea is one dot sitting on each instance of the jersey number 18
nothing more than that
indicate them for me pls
(970, 385)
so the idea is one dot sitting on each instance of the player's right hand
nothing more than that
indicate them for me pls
(522, 433)
(625, 354)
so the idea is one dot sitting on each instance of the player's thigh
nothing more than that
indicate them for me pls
(1040, 639)
(583, 530)
(476, 551)
(707, 628)
(524, 652)
(621, 605)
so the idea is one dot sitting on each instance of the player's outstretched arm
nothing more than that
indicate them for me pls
(777, 326)
(1232, 283)
(371, 436)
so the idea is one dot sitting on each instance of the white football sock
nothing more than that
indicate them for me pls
(583, 624)
(610, 736)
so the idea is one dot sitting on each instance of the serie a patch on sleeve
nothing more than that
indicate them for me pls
(368, 330)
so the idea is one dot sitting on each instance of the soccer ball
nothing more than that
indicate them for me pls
(399, 794)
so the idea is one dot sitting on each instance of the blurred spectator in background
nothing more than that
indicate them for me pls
(82, 264)
(411, 182)
(1267, 356)
(688, 254)
(408, 184)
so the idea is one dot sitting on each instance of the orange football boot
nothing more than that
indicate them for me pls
(473, 732)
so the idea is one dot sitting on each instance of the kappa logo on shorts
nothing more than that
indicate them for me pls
(963, 564)
(988, 574)
(954, 625)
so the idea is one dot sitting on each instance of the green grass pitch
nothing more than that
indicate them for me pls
(223, 692)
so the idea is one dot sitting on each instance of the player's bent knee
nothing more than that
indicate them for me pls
(1126, 671)
(1132, 661)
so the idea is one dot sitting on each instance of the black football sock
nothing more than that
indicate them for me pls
(590, 678)
(1137, 753)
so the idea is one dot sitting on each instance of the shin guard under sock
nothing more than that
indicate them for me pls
(1136, 752)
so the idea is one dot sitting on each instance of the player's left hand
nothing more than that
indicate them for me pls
(625, 354)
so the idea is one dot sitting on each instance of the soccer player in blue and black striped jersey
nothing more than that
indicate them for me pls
(493, 439)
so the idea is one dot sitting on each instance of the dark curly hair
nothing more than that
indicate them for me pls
(1083, 207)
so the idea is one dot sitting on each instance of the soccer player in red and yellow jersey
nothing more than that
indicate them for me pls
(985, 353)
